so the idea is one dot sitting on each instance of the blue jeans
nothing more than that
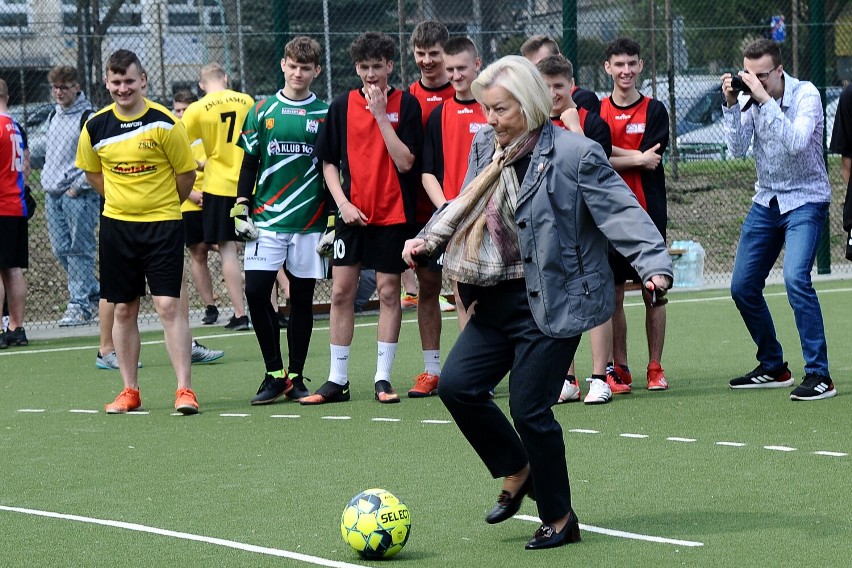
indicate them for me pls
(764, 232)
(71, 223)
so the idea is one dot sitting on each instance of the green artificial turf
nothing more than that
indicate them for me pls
(282, 482)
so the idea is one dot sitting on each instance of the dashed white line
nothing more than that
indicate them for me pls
(832, 454)
(286, 416)
(82, 411)
(186, 536)
(676, 439)
(138, 413)
(780, 448)
(436, 421)
(623, 534)
(633, 435)
(234, 415)
(584, 431)
(337, 418)
(385, 419)
(732, 444)
(31, 410)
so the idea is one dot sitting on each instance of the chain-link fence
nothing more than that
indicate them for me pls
(690, 41)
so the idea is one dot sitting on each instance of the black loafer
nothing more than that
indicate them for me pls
(507, 505)
(547, 537)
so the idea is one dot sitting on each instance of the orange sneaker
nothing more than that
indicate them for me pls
(656, 377)
(385, 393)
(623, 372)
(425, 384)
(616, 385)
(125, 402)
(408, 301)
(185, 402)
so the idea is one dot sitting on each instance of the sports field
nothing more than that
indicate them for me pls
(696, 476)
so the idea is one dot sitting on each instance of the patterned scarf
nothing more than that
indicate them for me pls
(479, 225)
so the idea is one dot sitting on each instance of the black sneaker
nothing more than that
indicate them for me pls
(17, 337)
(385, 393)
(238, 324)
(211, 315)
(761, 378)
(271, 389)
(299, 391)
(283, 320)
(814, 387)
(328, 392)
(3, 344)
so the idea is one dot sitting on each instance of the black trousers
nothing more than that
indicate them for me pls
(502, 337)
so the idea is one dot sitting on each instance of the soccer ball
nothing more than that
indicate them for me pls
(375, 524)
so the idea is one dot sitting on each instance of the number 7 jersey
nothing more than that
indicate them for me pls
(216, 119)
(290, 194)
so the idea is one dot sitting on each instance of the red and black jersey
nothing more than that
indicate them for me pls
(351, 140)
(640, 126)
(593, 127)
(12, 146)
(586, 99)
(429, 98)
(449, 135)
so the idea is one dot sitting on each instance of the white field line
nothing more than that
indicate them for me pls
(780, 448)
(727, 298)
(832, 454)
(584, 431)
(234, 415)
(676, 439)
(732, 444)
(186, 536)
(622, 534)
(639, 436)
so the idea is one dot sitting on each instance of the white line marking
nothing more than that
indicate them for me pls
(337, 418)
(633, 435)
(83, 411)
(732, 444)
(832, 454)
(622, 534)
(436, 421)
(385, 419)
(30, 410)
(286, 416)
(138, 412)
(676, 439)
(583, 431)
(186, 536)
(234, 415)
(780, 448)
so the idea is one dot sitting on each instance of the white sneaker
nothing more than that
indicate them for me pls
(599, 392)
(570, 392)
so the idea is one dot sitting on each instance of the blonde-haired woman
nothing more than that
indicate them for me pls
(527, 241)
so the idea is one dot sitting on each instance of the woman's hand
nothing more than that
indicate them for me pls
(412, 248)
(657, 286)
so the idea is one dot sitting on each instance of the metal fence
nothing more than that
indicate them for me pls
(690, 41)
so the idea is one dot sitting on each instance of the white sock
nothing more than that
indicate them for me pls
(384, 363)
(432, 361)
(339, 368)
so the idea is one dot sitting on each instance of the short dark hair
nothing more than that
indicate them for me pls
(555, 65)
(429, 33)
(121, 60)
(536, 42)
(761, 47)
(372, 45)
(623, 46)
(184, 96)
(63, 74)
(460, 44)
(303, 49)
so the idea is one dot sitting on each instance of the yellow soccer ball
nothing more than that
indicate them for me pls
(375, 524)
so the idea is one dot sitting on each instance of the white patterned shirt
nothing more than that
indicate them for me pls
(787, 141)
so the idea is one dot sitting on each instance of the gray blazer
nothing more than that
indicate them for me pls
(570, 203)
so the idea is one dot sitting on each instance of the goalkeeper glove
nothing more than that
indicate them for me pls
(325, 247)
(243, 225)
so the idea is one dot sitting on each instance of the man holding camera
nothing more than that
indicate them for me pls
(781, 117)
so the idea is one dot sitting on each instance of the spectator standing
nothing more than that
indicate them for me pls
(782, 119)
(71, 205)
(841, 142)
(137, 154)
(375, 203)
(216, 120)
(286, 218)
(14, 246)
(639, 126)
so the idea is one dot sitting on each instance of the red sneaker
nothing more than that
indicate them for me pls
(425, 384)
(616, 385)
(656, 377)
(185, 402)
(126, 401)
(624, 374)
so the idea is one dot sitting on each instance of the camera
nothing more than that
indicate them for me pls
(738, 84)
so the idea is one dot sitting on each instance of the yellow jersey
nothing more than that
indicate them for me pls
(139, 157)
(217, 119)
(199, 156)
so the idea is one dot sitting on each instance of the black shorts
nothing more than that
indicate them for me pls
(193, 228)
(379, 248)
(131, 251)
(217, 222)
(622, 271)
(14, 242)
